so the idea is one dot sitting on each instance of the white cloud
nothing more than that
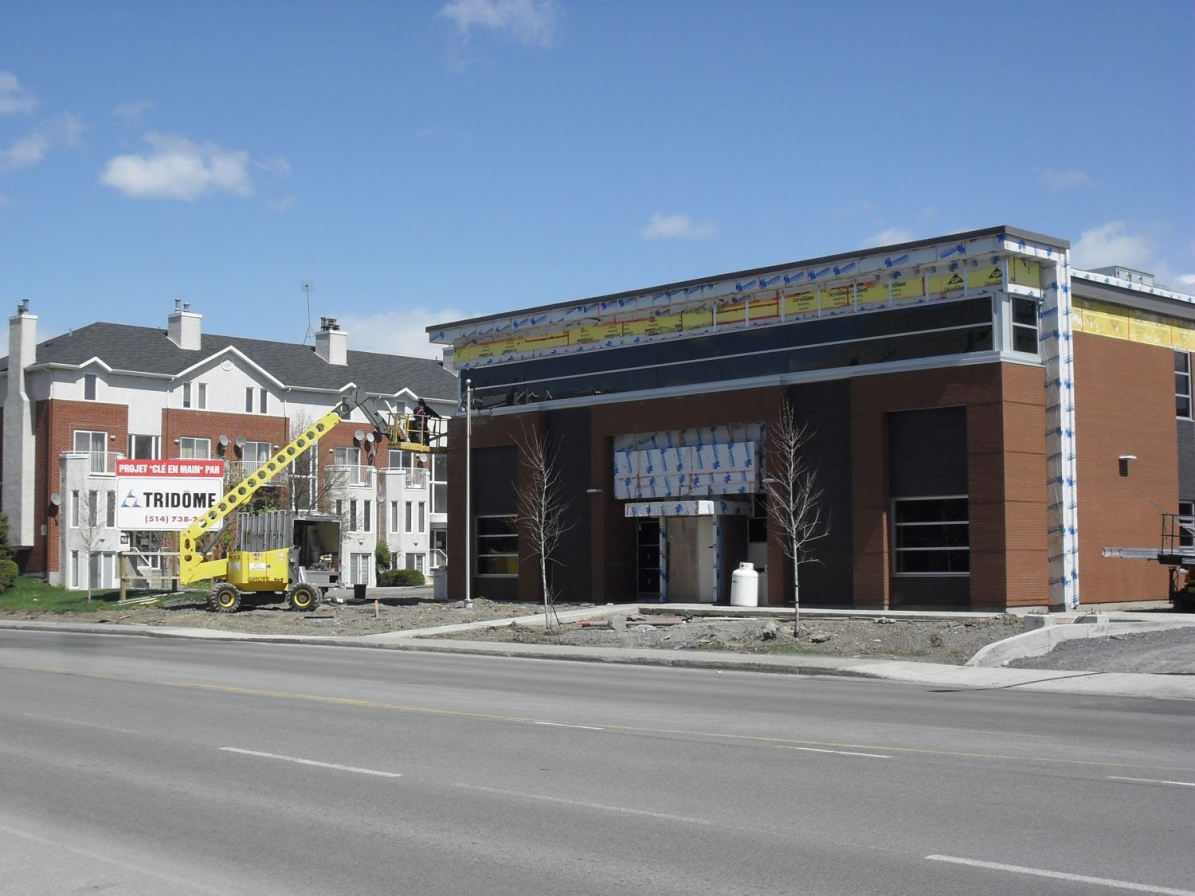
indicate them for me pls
(1185, 281)
(5, 202)
(14, 98)
(24, 151)
(396, 332)
(176, 168)
(1111, 244)
(530, 22)
(65, 131)
(133, 111)
(1065, 180)
(888, 237)
(671, 227)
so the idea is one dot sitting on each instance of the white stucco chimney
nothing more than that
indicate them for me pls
(19, 448)
(184, 326)
(331, 342)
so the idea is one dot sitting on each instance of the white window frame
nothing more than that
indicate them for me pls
(1016, 327)
(195, 443)
(155, 446)
(899, 552)
(260, 450)
(89, 386)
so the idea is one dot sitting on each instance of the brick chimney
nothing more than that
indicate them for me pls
(185, 327)
(331, 342)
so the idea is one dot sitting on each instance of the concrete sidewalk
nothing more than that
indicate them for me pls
(938, 676)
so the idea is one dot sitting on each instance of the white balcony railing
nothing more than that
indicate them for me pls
(235, 471)
(351, 475)
(100, 462)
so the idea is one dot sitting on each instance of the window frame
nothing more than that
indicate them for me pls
(951, 550)
(1017, 328)
(491, 538)
(195, 442)
(1182, 384)
(89, 386)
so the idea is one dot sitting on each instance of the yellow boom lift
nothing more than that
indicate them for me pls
(262, 571)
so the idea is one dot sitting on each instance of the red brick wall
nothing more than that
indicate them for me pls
(1005, 470)
(1124, 404)
(56, 421)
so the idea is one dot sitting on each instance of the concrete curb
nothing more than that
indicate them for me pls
(938, 676)
(1049, 635)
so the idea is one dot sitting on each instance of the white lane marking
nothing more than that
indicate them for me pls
(835, 752)
(331, 765)
(63, 721)
(1063, 875)
(583, 805)
(566, 725)
(1152, 781)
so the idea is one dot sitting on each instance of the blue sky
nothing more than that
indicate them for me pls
(423, 162)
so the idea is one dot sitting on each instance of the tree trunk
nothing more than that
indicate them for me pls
(796, 590)
(543, 581)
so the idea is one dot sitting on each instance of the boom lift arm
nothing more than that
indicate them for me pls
(192, 566)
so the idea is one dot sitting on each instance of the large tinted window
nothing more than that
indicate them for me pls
(844, 341)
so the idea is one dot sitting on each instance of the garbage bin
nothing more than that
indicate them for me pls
(359, 592)
(744, 586)
(440, 583)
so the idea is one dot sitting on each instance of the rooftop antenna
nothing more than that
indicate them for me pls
(307, 292)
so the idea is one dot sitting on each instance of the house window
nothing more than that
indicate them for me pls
(190, 448)
(410, 527)
(89, 387)
(416, 561)
(1182, 384)
(74, 521)
(421, 517)
(352, 516)
(395, 524)
(110, 510)
(254, 454)
(497, 546)
(1024, 325)
(1186, 524)
(366, 514)
(200, 396)
(248, 399)
(931, 536)
(74, 569)
(263, 403)
(95, 444)
(350, 458)
(439, 483)
(404, 460)
(359, 565)
(144, 447)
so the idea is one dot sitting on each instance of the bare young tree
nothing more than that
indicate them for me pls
(794, 494)
(92, 531)
(541, 506)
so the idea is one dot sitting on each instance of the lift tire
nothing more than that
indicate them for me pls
(223, 598)
(303, 597)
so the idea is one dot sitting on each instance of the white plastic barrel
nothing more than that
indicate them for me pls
(744, 586)
(440, 583)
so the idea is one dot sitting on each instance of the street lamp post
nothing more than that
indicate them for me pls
(468, 489)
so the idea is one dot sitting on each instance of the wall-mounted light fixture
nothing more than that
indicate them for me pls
(1124, 463)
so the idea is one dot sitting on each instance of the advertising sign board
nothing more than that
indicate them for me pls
(165, 495)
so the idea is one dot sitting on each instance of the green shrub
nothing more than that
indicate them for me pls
(8, 574)
(392, 577)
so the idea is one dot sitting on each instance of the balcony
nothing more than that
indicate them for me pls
(351, 475)
(96, 462)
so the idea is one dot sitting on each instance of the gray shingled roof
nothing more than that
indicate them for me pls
(149, 350)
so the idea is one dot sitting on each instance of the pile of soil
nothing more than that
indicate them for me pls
(924, 640)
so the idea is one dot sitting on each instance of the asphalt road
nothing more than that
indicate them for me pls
(133, 765)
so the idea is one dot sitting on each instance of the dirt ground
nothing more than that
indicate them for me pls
(937, 641)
